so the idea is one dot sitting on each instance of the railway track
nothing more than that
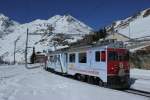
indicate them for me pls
(138, 92)
(131, 91)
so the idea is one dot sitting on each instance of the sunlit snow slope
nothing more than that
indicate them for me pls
(135, 26)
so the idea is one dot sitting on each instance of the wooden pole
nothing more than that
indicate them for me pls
(15, 51)
(26, 49)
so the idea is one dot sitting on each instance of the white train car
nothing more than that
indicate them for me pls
(57, 62)
(87, 61)
(96, 63)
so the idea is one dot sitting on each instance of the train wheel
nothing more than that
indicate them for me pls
(90, 79)
(46, 68)
(78, 77)
(75, 76)
(83, 78)
(99, 82)
(86, 78)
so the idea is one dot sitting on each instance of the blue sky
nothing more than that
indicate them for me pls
(95, 13)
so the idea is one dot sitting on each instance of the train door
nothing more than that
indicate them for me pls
(99, 63)
(61, 65)
(71, 62)
(50, 62)
(58, 64)
(64, 62)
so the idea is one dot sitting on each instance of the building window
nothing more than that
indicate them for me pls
(82, 58)
(97, 56)
(103, 56)
(72, 58)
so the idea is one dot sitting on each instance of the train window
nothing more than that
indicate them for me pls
(72, 58)
(112, 56)
(103, 56)
(126, 57)
(115, 56)
(58, 58)
(55, 58)
(82, 58)
(120, 57)
(97, 56)
(66, 55)
(51, 58)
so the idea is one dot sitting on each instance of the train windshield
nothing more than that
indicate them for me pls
(112, 56)
(115, 56)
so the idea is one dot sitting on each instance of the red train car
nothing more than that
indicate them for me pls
(118, 67)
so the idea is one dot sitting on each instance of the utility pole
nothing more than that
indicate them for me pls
(15, 52)
(26, 49)
(129, 30)
(15, 42)
(113, 32)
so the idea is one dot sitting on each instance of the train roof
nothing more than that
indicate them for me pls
(108, 44)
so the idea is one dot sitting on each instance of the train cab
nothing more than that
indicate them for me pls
(118, 67)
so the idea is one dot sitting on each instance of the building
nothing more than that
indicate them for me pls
(40, 58)
(118, 37)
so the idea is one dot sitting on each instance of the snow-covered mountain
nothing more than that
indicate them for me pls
(40, 34)
(6, 25)
(135, 26)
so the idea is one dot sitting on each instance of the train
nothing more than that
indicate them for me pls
(105, 64)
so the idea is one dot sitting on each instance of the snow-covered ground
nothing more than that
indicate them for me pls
(141, 79)
(18, 83)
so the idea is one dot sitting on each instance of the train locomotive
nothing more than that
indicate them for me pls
(102, 64)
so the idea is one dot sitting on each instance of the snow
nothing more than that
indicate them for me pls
(138, 28)
(140, 74)
(18, 83)
(141, 79)
(135, 26)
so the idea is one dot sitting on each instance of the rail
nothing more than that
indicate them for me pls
(138, 92)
